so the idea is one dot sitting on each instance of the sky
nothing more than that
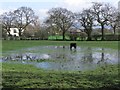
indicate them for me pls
(42, 6)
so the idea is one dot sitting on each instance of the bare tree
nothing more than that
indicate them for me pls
(7, 19)
(119, 20)
(113, 19)
(24, 17)
(37, 24)
(32, 29)
(101, 12)
(86, 20)
(29, 31)
(62, 18)
(42, 33)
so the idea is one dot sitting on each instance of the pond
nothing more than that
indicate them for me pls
(62, 58)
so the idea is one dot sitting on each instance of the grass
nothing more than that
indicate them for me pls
(27, 76)
(13, 45)
(102, 44)
(0, 48)
(57, 37)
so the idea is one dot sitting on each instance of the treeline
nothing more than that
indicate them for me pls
(61, 21)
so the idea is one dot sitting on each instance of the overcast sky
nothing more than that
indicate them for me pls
(42, 6)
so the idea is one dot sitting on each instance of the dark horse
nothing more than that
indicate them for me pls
(73, 45)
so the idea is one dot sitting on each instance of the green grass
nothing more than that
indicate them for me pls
(13, 45)
(0, 48)
(57, 37)
(103, 44)
(27, 76)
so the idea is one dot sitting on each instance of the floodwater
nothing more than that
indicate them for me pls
(62, 58)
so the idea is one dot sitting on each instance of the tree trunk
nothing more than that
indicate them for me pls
(89, 34)
(89, 37)
(8, 30)
(9, 33)
(102, 30)
(20, 33)
(114, 28)
(63, 35)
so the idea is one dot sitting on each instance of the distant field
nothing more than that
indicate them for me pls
(12, 45)
(57, 37)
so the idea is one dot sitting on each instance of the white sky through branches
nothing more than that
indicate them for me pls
(42, 6)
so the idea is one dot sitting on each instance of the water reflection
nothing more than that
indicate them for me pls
(87, 56)
(59, 58)
(102, 57)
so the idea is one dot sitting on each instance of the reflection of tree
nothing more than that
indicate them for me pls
(102, 57)
(87, 57)
(60, 56)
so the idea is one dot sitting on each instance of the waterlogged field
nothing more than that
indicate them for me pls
(59, 58)
(51, 64)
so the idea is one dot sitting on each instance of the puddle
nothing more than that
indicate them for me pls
(59, 58)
